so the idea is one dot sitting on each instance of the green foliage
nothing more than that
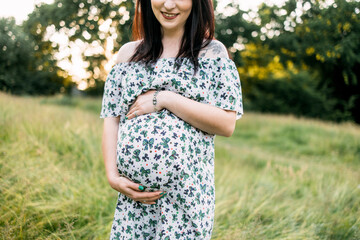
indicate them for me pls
(319, 37)
(83, 20)
(325, 38)
(277, 177)
(19, 70)
(295, 95)
(229, 28)
(315, 42)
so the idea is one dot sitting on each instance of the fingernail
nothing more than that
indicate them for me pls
(141, 188)
(163, 195)
(126, 117)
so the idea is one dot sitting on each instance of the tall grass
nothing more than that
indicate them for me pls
(277, 177)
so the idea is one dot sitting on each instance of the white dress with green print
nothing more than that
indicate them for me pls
(162, 152)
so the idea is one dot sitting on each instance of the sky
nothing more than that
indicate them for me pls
(21, 8)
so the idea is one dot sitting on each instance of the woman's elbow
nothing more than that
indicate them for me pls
(231, 123)
(229, 128)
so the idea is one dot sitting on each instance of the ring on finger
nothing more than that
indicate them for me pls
(135, 114)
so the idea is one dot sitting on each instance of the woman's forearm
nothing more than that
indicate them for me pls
(109, 142)
(205, 117)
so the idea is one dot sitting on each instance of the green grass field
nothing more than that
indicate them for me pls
(277, 177)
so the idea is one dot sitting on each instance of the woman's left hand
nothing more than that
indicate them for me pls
(143, 104)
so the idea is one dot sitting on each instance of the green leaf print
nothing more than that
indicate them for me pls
(203, 188)
(155, 166)
(148, 143)
(203, 74)
(194, 82)
(131, 215)
(165, 142)
(155, 186)
(127, 147)
(130, 92)
(201, 215)
(145, 235)
(184, 218)
(174, 155)
(232, 99)
(111, 106)
(176, 206)
(137, 128)
(141, 85)
(187, 126)
(180, 199)
(197, 198)
(199, 98)
(197, 150)
(184, 175)
(175, 83)
(128, 229)
(145, 172)
(144, 133)
(152, 223)
(136, 155)
(219, 86)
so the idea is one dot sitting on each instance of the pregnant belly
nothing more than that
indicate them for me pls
(152, 149)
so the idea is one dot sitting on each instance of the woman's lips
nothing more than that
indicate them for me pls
(169, 16)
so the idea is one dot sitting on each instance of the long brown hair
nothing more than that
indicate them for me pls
(198, 27)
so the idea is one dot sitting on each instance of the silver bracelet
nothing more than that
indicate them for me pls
(155, 100)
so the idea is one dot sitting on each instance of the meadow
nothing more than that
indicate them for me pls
(276, 177)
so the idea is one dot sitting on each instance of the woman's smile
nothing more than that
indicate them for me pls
(169, 15)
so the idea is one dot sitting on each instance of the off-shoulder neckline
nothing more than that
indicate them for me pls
(173, 58)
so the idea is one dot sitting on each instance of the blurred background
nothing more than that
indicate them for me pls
(294, 57)
(290, 170)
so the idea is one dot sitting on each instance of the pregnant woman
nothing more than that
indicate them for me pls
(172, 90)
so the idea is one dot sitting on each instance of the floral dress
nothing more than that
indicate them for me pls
(161, 151)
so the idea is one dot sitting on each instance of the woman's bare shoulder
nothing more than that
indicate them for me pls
(214, 49)
(126, 51)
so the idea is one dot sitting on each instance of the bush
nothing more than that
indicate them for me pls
(19, 73)
(296, 95)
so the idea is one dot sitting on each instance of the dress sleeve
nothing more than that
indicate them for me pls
(225, 87)
(111, 100)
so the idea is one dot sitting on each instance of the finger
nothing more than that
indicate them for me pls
(147, 196)
(136, 187)
(131, 113)
(149, 203)
(152, 199)
(132, 105)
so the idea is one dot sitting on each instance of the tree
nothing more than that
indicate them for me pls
(96, 24)
(317, 39)
(19, 72)
(325, 38)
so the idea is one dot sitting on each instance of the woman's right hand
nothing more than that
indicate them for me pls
(131, 190)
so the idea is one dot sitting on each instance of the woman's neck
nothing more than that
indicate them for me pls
(171, 41)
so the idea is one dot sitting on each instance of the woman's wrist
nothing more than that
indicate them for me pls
(163, 98)
(112, 179)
